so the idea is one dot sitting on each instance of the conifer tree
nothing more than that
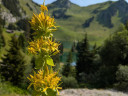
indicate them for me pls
(12, 65)
(22, 42)
(113, 53)
(2, 23)
(67, 70)
(85, 58)
(2, 41)
(117, 53)
(73, 47)
(12, 5)
(27, 30)
(24, 25)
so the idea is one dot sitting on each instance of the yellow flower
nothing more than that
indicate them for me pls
(32, 50)
(47, 46)
(43, 82)
(43, 8)
(42, 24)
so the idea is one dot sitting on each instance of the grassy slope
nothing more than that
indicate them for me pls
(71, 29)
(32, 8)
(6, 89)
(7, 37)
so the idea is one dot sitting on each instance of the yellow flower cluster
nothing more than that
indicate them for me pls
(41, 83)
(45, 82)
(42, 21)
(43, 8)
(43, 24)
(46, 46)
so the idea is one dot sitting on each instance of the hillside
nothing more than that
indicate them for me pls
(14, 10)
(99, 20)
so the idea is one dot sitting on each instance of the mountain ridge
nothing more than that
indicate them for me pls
(99, 20)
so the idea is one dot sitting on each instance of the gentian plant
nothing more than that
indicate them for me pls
(45, 81)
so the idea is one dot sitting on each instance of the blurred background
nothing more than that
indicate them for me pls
(93, 37)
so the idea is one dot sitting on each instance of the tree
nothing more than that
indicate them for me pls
(73, 49)
(122, 78)
(2, 21)
(24, 25)
(22, 42)
(117, 53)
(67, 68)
(85, 59)
(12, 26)
(2, 41)
(113, 53)
(12, 65)
(13, 7)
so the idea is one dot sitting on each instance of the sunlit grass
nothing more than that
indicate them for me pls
(7, 38)
(6, 89)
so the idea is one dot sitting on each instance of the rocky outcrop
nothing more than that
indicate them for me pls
(63, 3)
(60, 4)
(60, 7)
(60, 13)
(13, 6)
(8, 17)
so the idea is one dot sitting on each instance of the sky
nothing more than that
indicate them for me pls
(78, 2)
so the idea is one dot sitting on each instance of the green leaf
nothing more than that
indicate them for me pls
(39, 62)
(35, 93)
(44, 94)
(49, 61)
(51, 92)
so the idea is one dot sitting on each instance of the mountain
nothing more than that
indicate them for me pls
(99, 20)
(13, 10)
(121, 7)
